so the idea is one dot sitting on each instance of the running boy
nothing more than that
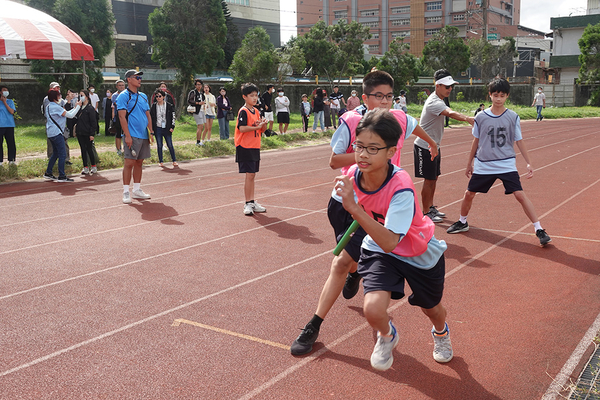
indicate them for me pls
(378, 88)
(399, 244)
(248, 131)
(496, 131)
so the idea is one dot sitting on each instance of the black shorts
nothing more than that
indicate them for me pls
(283, 118)
(483, 183)
(424, 167)
(387, 273)
(249, 167)
(340, 221)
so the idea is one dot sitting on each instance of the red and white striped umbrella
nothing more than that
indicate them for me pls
(31, 34)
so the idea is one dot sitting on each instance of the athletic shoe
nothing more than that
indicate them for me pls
(304, 342)
(68, 163)
(139, 194)
(85, 171)
(382, 357)
(64, 179)
(437, 212)
(119, 153)
(458, 227)
(543, 236)
(541, 118)
(94, 170)
(258, 208)
(442, 347)
(126, 198)
(248, 209)
(434, 217)
(352, 285)
(12, 163)
(49, 177)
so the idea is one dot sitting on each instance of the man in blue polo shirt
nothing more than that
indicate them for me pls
(134, 114)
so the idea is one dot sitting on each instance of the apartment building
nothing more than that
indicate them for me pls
(416, 21)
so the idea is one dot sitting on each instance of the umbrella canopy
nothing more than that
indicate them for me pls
(31, 34)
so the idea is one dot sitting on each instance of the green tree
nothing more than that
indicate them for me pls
(188, 35)
(589, 45)
(489, 58)
(399, 63)
(256, 60)
(291, 59)
(447, 50)
(234, 40)
(93, 21)
(336, 50)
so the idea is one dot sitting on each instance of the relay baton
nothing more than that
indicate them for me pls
(346, 238)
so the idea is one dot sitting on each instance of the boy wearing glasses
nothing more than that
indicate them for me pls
(427, 166)
(399, 245)
(378, 88)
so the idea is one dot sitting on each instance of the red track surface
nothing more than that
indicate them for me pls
(100, 300)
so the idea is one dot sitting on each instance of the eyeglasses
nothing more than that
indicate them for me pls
(139, 78)
(448, 87)
(159, 96)
(370, 149)
(380, 96)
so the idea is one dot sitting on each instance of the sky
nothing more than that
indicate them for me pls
(535, 14)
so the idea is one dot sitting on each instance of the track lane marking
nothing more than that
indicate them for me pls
(179, 321)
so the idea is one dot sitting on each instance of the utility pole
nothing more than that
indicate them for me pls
(484, 10)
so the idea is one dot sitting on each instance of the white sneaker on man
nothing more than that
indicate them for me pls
(126, 198)
(139, 194)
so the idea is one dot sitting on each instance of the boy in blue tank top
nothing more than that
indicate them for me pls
(399, 244)
(493, 156)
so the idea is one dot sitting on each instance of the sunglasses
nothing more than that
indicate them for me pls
(448, 87)
(139, 78)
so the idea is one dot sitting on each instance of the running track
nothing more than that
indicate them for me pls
(184, 297)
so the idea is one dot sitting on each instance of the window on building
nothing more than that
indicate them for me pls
(433, 20)
(373, 47)
(431, 32)
(369, 13)
(508, 20)
(458, 17)
(401, 22)
(401, 10)
(375, 35)
(340, 14)
(433, 6)
(492, 29)
(400, 34)
(373, 24)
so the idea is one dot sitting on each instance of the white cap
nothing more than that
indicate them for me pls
(447, 81)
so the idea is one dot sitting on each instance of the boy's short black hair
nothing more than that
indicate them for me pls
(376, 78)
(383, 123)
(441, 73)
(248, 88)
(3, 87)
(499, 85)
(482, 105)
(402, 92)
(269, 86)
(198, 80)
(336, 86)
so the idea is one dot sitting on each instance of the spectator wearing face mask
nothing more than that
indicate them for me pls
(353, 101)
(87, 123)
(7, 126)
(95, 101)
(282, 108)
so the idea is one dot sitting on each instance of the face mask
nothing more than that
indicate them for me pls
(5, 93)
(107, 94)
(92, 90)
(281, 93)
(353, 94)
(82, 98)
(539, 91)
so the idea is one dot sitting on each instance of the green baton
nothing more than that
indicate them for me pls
(346, 238)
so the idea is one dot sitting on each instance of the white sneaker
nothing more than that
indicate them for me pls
(85, 171)
(139, 194)
(94, 170)
(248, 209)
(258, 208)
(126, 198)
(442, 347)
(382, 357)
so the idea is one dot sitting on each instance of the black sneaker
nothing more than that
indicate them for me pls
(68, 163)
(458, 227)
(433, 216)
(437, 212)
(352, 285)
(304, 343)
(543, 236)
(49, 177)
(64, 179)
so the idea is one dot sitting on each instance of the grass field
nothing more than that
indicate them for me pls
(31, 140)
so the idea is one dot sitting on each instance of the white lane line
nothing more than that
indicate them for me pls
(155, 256)
(558, 383)
(158, 315)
